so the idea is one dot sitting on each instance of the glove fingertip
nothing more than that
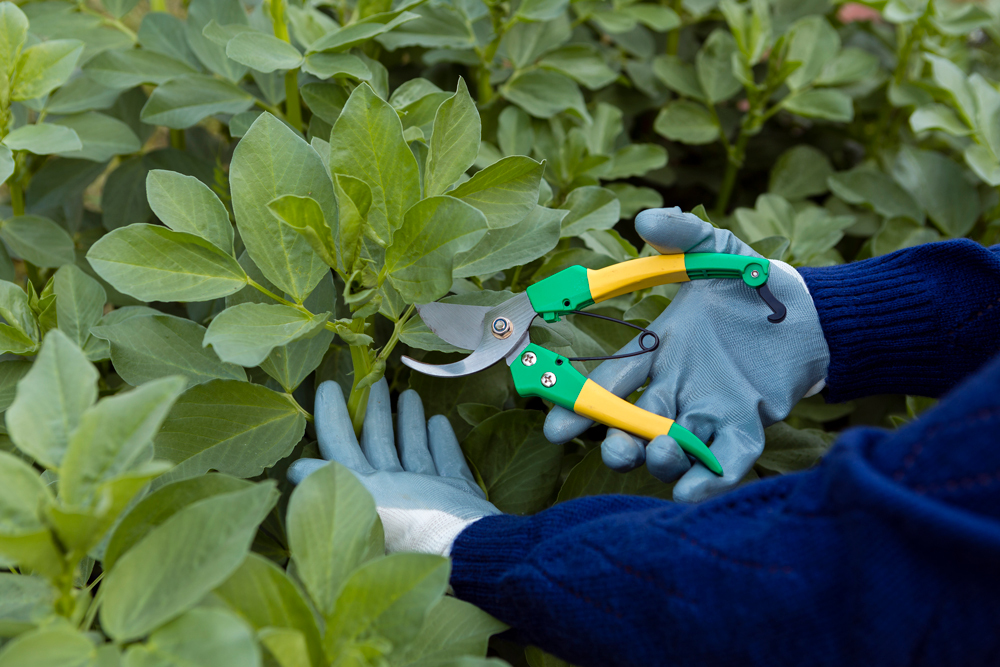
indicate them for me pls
(621, 452)
(302, 468)
(670, 230)
(562, 425)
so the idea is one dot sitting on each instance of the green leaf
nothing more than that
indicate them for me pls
(982, 161)
(81, 94)
(387, 597)
(897, 233)
(199, 638)
(454, 142)
(269, 162)
(127, 68)
(536, 657)
(266, 597)
(938, 117)
(44, 67)
(13, 34)
(871, 187)
(52, 646)
(367, 143)
(262, 52)
(419, 261)
(634, 160)
(827, 104)
(6, 163)
(25, 600)
(354, 200)
(941, 187)
(437, 26)
(51, 399)
(181, 560)
(849, 66)
(356, 34)
(331, 65)
(583, 63)
(304, 215)
(678, 76)
(790, 449)
(333, 529)
(246, 334)
(212, 55)
(38, 240)
(80, 304)
(185, 204)
(633, 199)
(687, 122)
(517, 245)
(186, 100)
(660, 19)
(22, 495)
(540, 10)
(505, 192)
(153, 263)
(454, 629)
(20, 334)
(544, 93)
(952, 79)
(236, 428)
(813, 43)
(11, 373)
(590, 207)
(715, 68)
(113, 437)
(43, 139)
(103, 137)
(800, 172)
(518, 466)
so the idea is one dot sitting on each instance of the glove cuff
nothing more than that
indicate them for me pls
(421, 530)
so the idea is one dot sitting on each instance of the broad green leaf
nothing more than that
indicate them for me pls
(246, 334)
(660, 19)
(52, 646)
(358, 33)
(119, 8)
(454, 142)
(505, 192)
(518, 466)
(715, 68)
(987, 113)
(544, 93)
(938, 117)
(515, 134)
(454, 629)
(236, 428)
(212, 55)
(185, 204)
(634, 160)
(24, 600)
(202, 637)
(11, 372)
(541, 10)
(354, 200)
(871, 187)
(326, 100)
(43, 139)
(181, 560)
(44, 67)
(610, 243)
(517, 245)
(800, 172)
(266, 597)
(80, 304)
(952, 79)
(436, 26)
(650, 307)
(304, 215)
(331, 65)
(816, 231)
(333, 529)
(38, 240)
(102, 136)
(123, 69)
(153, 263)
(849, 66)
(13, 34)
(633, 199)
(590, 207)
(687, 122)
(941, 187)
(184, 101)
(813, 43)
(827, 104)
(678, 76)
(81, 94)
(419, 262)
(387, 597)
(524, 43)
(269, 162)
(789, 449)
(583, 63)
(162, 504)
(262, 52)
(897, 233)
(771, 216)
(113, 437)
(20, 334)
(25, 540)
(367, 143)
(982, 161)
(51, 399)
(163, 33)
(6, 162)
(287, 646)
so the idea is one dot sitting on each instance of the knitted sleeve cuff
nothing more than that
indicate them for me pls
(915, 321)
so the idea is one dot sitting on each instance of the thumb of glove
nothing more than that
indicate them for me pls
(671, 231)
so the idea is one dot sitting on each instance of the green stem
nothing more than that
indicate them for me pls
(177, 139)
(484, 90)
(293, 107)
(271, 109)
(674, 38)
(16, 195)
(95, 605)
(396, 332)
(362, 363)
(107, 20)
(298, 407)
(513, 280)
(733, 163)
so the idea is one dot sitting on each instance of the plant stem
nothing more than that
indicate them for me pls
(95, 605)
(674, 38)
(107, 20)
(293, 108)
(177, 139)
(362, 363)
(298, 407)
(16, 195)
(271, 109)
(734, 161)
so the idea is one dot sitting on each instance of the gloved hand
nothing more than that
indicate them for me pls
(426, 501)
(722, 370)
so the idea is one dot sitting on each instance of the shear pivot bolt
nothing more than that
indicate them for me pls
(548, 379)
(528, 359)
(502, 328)
(754, 274)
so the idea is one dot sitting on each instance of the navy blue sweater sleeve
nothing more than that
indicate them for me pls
(883, 554)
(916, 321)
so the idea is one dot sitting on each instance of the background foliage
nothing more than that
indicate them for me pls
(213, 206)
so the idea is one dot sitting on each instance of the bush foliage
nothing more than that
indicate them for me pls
(215, 206)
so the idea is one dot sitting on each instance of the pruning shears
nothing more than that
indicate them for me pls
(501, 332)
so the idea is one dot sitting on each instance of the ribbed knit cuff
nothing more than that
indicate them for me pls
(916, 321)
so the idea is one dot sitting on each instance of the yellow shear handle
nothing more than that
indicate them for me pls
(636, 274)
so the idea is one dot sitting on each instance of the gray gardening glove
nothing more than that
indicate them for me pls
(722, 370)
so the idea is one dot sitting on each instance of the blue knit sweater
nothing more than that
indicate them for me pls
(886, 553)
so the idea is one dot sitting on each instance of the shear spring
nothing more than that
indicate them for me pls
(642, 338)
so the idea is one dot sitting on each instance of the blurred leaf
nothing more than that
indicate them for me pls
(453, 629)
(53, 646)
(261, 52)
(687, 122)
(938, 117)
(199, 638)
(123, 69)
(789, 449)
(24, 602)
(849, 66)
(871, 187)
(534, 236)
(43, 139)
(581, 62)
(941, 187)
(184, 101)
(826, 104)
(38, 240)
(102, 136)
(814, 43)
(590, 208)
(246, 334)
(42, 68)
(715, 69)
(544, 93)
(591, 477)
(800, 172)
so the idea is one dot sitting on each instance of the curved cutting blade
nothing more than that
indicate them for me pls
(459, 325)
(489, 348)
